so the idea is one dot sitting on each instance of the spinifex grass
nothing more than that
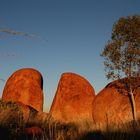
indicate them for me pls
(12, 127)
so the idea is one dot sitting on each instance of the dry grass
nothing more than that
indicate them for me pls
(12, 128)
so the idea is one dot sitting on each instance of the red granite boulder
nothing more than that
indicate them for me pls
(25, 86)
(73, 99)
(112, 105)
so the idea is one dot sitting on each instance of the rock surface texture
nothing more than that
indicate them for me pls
(112, 106)
(73, 99)
(25, 86)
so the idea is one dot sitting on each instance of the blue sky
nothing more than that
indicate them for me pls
(70, 37)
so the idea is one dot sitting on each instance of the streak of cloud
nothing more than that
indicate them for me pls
(5, 32)
(6, 55)
(13, 32)
(18, 33)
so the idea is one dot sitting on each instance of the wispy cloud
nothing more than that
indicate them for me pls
(19, 33)
(5, 32)
(7, 55)
(13, 32)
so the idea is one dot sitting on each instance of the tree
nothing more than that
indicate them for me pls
(122, 54)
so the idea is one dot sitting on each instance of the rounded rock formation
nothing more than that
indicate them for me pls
(112, 105)
(73, 99)
(25, 86)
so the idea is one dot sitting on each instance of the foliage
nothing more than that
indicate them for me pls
(11, 116)
(53, 130)
(9, 105)
(122, 52)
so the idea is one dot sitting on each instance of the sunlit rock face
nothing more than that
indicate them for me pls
(73, 99)
(112, 105)
(25, 86)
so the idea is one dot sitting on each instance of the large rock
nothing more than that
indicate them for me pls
(112, 105)
(25, 86)
(73, 99)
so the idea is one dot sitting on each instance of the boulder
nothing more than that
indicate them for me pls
(112, 106)
(25, 86)
(73, 99)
